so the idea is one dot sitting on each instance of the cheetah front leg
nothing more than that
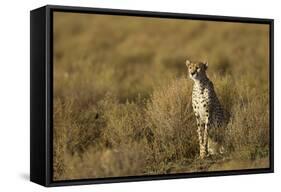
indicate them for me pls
(206, 136)
(200, 137)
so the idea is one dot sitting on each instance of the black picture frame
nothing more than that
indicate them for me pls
(41, 93)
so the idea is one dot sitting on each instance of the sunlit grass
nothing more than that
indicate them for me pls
(122, 96)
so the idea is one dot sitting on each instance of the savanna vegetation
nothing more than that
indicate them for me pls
(122, 98)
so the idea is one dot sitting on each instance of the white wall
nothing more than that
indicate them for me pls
(14, 94)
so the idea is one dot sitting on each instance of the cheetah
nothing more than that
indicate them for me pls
(209, 113)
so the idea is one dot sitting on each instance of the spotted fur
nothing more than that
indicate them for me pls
(208, 111)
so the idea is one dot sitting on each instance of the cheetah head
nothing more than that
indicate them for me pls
(196, 70)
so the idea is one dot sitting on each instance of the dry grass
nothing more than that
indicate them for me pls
(122, 99)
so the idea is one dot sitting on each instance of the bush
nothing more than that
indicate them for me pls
(170, 117)
(106, 139)
(154, 136)
(247, 135)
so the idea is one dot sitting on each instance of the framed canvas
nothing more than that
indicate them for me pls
(123, 95)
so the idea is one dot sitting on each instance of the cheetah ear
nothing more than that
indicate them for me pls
(205, 64)
(187, 62)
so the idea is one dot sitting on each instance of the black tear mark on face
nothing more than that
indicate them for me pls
(97, 116)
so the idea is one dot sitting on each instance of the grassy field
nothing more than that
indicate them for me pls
(122, 99)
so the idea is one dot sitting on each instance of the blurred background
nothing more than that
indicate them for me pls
(121, 89)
